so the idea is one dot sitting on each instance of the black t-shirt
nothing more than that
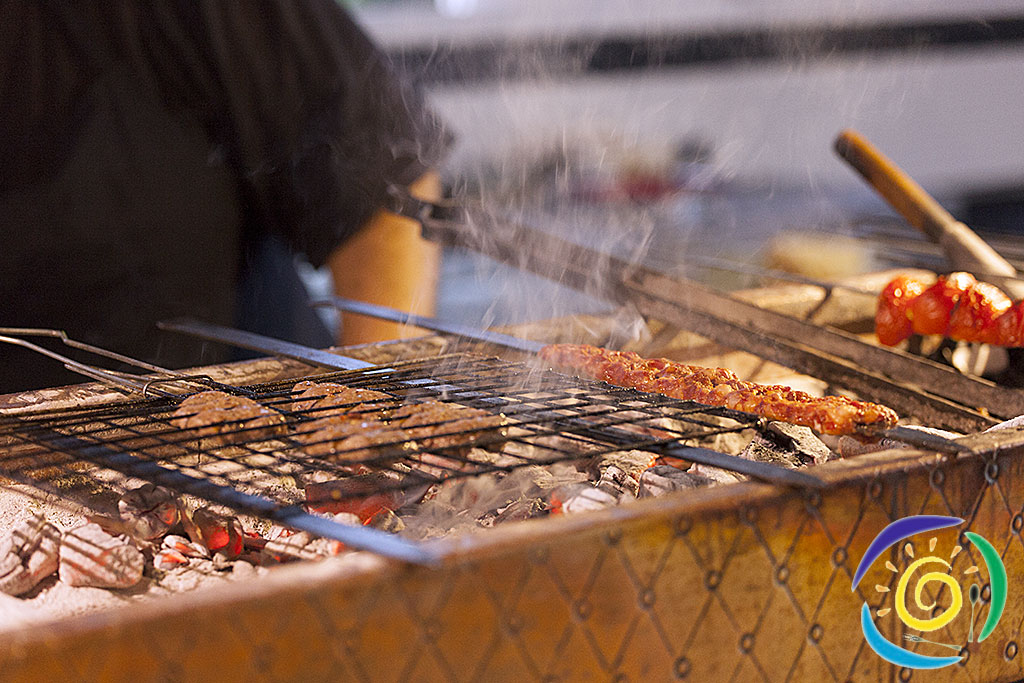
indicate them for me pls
(148, 146)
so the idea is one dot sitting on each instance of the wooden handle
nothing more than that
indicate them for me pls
(964, 249)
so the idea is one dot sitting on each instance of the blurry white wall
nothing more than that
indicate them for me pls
(949, 116)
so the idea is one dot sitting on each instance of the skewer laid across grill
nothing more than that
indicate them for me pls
(762, 471)
(915, 437)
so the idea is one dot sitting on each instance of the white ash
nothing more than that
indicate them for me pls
(29, 554)
(619, 473)
(715, 475)
(1008, 424)
(576, 498)
(89, 556)
(461, 504)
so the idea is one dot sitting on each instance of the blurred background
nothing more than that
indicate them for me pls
(682, 133)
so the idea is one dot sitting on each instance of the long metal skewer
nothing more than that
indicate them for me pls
(905, 435)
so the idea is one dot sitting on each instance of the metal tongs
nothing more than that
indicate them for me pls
(146, 384)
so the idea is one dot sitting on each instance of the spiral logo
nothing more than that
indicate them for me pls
(931, 574)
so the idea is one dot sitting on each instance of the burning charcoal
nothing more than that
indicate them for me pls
(148, 511)
(715, 475)
(361, 495)
(294, 546)
(662, 479)
(386, 520)
(168, 559)
(347, 518)
(326, 547)
(632, 463)
(807, 445)
(89, 556)
(619, 473)
(522, 508)
(180, 544)
(277, 531)
(616, 482)
(219, 534)
(580, 498)
(848, 446)
(763, 449)
(28, 555)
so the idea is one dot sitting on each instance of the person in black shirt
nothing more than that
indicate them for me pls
(167, 158)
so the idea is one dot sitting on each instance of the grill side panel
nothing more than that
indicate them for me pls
(747, 581)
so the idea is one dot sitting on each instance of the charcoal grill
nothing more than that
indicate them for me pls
(745, 582)
(550, 418)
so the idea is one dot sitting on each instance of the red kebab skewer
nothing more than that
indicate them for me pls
(956, 306)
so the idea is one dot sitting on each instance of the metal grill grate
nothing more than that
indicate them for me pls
(548, 418)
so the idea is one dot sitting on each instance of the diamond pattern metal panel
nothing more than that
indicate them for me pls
(747, 585)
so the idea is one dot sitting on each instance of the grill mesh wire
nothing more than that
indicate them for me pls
(90, 455)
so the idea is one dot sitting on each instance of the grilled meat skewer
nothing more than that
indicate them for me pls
(720, 387)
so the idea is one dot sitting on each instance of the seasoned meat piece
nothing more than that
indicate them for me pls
(445, 425)
(225, 419)
(345, 437)
(720, 387)
(892, 322)
(329, 398)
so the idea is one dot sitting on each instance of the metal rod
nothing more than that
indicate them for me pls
(430, 323)
(763, 471)
(359, 537)
(715, 263)
(262, 344)
(910, 436)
